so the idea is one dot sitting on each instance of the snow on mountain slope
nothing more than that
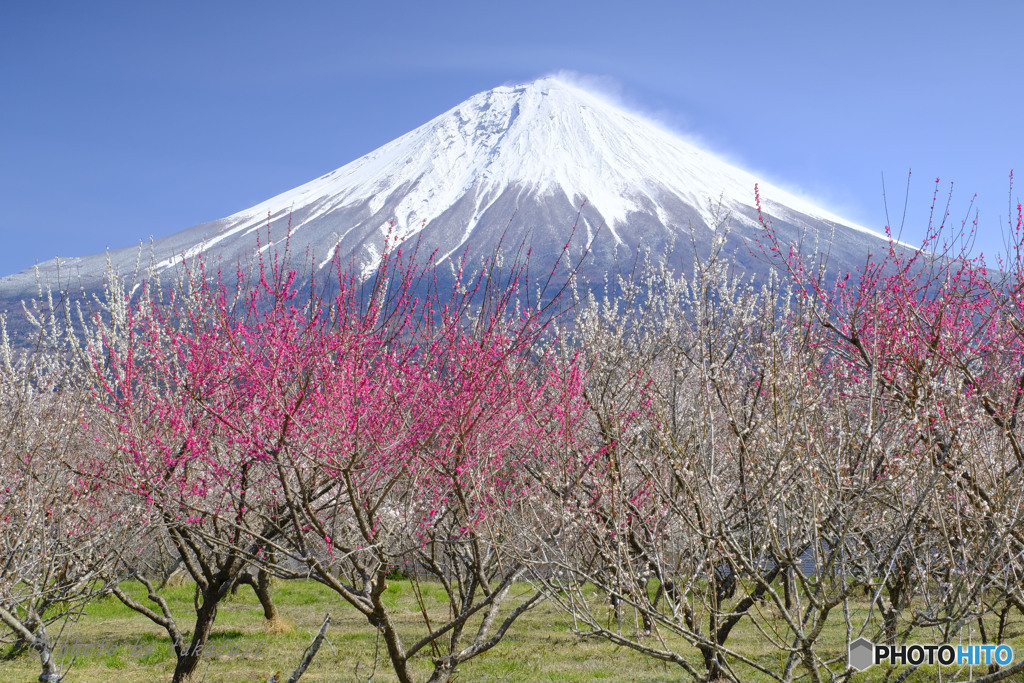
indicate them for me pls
(516, 160)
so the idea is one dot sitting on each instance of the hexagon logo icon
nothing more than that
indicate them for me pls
(862, 654)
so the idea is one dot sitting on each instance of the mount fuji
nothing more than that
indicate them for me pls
(527, 162)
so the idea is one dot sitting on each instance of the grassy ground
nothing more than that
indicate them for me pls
(111, 643)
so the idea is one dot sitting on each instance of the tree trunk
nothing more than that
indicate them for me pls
(262, 589)
(443, 670)
(42, 644)
(189, 660)
(712, 663)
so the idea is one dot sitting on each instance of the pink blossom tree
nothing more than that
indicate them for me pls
(164, 371)
(932, 336)
(422, 409)
(338, 431)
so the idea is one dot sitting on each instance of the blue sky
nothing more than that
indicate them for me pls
(123, 120)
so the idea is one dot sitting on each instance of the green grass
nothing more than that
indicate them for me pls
(116, 644)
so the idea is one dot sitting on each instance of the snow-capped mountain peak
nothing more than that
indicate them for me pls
(520, 159)
(548, 137)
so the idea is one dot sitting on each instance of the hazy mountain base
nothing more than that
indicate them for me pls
(595, 253)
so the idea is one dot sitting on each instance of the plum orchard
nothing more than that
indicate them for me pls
(667, 462)
(777, 454)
